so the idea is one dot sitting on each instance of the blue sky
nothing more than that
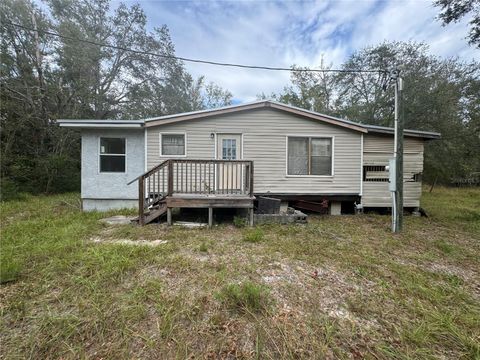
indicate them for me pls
(291, 32)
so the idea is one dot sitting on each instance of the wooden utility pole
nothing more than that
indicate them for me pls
(398, 154)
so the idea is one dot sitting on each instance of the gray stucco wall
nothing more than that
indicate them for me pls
(103, 191)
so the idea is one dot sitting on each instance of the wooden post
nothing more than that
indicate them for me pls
(169, 216)
(210, 217)
(398, 151)
(141, 200)
(251, 178)
(250, 215)
(170, 177)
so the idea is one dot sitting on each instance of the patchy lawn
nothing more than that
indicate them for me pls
(338, 287)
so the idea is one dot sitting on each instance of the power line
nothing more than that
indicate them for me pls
(141, 52)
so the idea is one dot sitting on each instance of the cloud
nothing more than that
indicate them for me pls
(285, 33)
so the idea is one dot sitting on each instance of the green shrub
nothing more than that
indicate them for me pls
(9, 190)
(245, 297)
(253, 236)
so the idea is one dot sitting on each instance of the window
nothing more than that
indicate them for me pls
(309, 156)
(172, 144)
(112, 155)
(229, 149)
(375, 173)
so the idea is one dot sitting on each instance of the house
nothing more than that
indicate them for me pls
(225, 157)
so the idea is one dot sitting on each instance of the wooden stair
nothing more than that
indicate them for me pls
(152, 214)
(193, 183)
(155, 213)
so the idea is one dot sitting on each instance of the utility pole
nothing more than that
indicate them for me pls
(397, 214)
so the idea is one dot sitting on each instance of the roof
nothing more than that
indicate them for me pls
(107, 123)
(407, 132)
(202, 114)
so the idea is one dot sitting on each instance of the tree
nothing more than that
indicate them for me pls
(44, 78)
(309, 90)
(32, 150)
(454, 10)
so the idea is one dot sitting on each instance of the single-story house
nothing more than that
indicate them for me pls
(260, 148)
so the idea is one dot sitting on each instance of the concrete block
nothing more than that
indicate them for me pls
(335, 208)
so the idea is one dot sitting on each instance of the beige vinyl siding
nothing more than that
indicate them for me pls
(264, 141)
(377, 150)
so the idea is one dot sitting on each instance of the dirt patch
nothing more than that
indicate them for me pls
(298, 285)
(140, 242)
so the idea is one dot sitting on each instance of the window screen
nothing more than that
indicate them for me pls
(321, 156)
(297, 156)
(309, 156)
(112, 155)
(173, 144)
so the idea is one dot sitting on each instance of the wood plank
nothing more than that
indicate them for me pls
(155, 214)
(210, 217)
(173, 202)
(141, 200)
(320, 207)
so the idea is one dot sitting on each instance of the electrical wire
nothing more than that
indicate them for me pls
(141, 52)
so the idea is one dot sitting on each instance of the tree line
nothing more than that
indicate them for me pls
(441, 95)
(44, 78)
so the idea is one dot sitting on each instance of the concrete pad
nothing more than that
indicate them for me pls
(118, 220)
(129, 242)
(190, 225)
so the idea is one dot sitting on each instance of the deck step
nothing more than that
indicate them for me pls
(153, 214)
(156, 213)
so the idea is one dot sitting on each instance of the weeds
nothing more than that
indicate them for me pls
(244, 297)
(239, 221)
(253, 235)
(335, 288)
(203, 247)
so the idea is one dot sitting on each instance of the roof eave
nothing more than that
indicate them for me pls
(100, 124)
(411, 133)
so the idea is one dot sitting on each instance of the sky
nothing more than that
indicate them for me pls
(283, 33)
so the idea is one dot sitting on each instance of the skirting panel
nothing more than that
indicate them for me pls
(108, 204)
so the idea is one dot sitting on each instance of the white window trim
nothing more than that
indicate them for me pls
(310, 136)
(100, 154)
(172, 133)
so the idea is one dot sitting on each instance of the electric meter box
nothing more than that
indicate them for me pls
(392, 174)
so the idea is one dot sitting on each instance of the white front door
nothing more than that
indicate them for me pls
(229, 147)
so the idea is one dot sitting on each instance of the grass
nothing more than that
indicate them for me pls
(253, 236)
(245, 297)
(337, 287)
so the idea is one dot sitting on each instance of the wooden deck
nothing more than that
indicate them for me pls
(210, 184)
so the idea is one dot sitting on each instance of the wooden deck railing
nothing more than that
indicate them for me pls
(207, 177)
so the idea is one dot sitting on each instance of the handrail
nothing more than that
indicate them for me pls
(156, 167)
(211, 161)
